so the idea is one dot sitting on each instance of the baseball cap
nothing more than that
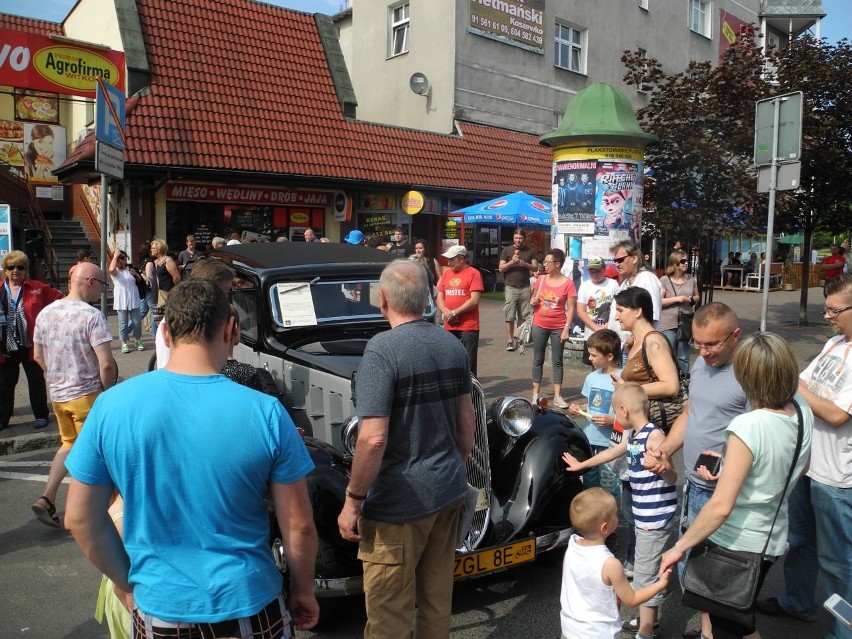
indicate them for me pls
(354, 237)
(595, 262)
(611, 272)
(455, 251)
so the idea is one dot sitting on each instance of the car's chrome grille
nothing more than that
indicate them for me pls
(479, 470)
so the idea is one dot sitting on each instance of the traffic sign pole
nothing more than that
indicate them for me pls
(770, 223)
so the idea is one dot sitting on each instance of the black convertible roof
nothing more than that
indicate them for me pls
(281, 254)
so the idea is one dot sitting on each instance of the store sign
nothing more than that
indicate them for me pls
(412, 202)
(378, 202)
(41, 63)
(193, 192)
(516, 22)
(5, 228)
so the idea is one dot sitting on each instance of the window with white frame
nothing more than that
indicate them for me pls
(570, 48)
(699, 17)
(399, 30)
(644, 55)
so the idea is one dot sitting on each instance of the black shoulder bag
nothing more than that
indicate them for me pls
(725, 582)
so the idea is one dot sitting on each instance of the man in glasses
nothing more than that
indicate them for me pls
(820, 506)
(715, 398)
(634, 272)
(72, 343)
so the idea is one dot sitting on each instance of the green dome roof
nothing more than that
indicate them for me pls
(599, 110)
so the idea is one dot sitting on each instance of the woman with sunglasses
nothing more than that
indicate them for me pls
(680, 292)
(554, 299)
(21, 300)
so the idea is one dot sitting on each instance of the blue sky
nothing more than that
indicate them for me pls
(837, 25)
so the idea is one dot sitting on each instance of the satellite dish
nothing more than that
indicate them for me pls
(419, 83)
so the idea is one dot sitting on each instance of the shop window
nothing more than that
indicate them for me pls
(399, 30)
(570, 48)
(699, 17)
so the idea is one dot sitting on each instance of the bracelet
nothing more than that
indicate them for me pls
(352, 495)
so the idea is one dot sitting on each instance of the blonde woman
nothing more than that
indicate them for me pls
(166, 271)
(752, 483)
(680, 293)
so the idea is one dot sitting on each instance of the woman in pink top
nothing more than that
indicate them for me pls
(554, 299)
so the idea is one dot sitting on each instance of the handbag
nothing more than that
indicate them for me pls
(684, 319)
(525, 331)
(684, 326)
(662, 411)
(725, 582)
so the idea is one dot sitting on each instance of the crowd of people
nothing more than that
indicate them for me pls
(742, 414)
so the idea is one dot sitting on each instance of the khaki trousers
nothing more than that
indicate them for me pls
(406, 565)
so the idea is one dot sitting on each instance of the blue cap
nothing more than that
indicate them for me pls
(354, 237)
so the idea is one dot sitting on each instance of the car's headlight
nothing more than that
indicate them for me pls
(350, 434)
(514, 414)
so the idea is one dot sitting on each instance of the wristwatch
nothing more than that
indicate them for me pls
(352, 495)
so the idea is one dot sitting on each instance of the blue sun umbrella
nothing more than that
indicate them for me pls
(515, 209)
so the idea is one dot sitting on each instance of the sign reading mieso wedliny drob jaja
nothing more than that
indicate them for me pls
(516, 22)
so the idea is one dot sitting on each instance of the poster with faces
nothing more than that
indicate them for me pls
(44, 151)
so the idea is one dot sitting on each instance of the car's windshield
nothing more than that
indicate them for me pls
(315, 302)
(319, 301)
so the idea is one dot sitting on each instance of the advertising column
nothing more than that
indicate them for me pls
(597, 195)
(598, 158)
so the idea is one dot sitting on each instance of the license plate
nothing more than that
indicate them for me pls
(489, 560)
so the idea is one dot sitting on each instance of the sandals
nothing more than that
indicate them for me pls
(47, 516)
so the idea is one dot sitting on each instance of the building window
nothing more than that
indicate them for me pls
(644, 4)
(644, 55)
(570, 50)
(399, 30)
(699, 17)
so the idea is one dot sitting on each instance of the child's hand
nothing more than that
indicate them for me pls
(616, 380)
(668, 560)
(574, 409)
(664, 577)
(572, 462)
(604, 420)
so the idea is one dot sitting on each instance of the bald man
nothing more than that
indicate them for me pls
(72, 343)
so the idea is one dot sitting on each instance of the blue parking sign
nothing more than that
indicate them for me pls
(107, 128)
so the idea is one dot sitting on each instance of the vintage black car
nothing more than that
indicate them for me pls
(306, 314)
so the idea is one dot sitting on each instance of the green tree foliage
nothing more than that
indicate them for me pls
(704, 184)
(823, 72)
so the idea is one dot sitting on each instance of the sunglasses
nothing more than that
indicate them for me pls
(684, 262)
(619, 260)
(16, 267)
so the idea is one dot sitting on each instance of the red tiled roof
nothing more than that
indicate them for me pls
(244, 86)
(29, 25)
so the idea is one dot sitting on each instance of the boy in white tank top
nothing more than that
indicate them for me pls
(593, 580)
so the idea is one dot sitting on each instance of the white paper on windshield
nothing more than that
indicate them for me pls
(296, 304)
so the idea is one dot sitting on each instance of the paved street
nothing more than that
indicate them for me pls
(47, 589)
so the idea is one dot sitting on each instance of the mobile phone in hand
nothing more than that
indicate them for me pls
(713, 463)
(840, 608)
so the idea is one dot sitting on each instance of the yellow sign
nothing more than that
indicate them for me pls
(299, 218)
(598, 152)
(412, 202)
(74, 68)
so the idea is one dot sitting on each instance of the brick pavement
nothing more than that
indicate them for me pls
(501, 372)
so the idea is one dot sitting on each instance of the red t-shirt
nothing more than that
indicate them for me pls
(457, 288)
(550, 313)
(837, 270)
